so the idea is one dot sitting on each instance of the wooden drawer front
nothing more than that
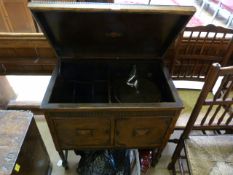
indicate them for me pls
(83, 132)
(141, 132)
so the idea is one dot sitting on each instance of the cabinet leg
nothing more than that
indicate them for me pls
(65, 165)
(172, 168)
(64, 158)
(155, 157)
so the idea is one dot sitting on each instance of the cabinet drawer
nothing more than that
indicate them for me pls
(141, 132)
(83, 132)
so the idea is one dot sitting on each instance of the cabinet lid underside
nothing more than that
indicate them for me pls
(98, 30)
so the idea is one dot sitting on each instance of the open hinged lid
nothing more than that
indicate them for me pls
(99, 30)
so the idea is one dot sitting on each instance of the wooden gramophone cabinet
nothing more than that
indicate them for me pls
(98, 46)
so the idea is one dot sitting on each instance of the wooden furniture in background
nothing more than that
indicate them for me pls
(22, 150)
(209, 114)
(16, 17)
(25, 53)
(190, 58)
(197, 48)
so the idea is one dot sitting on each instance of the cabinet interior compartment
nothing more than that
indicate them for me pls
(96, 81)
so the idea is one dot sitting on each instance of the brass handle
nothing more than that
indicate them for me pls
(84, 132)
(141, 131)
(120, 144)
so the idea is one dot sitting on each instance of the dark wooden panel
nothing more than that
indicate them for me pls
(12, 69)
(25, 53)
(7, 53)
(83, 132)
(45, 53)
(138, 132)
(33, 157)
(21, 145)
(197, 48)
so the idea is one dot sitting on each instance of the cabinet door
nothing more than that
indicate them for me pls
(82, 132)
(141, 131)
(19, 15)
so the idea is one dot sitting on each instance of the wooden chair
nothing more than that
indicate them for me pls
(197, 48)
(212, 115)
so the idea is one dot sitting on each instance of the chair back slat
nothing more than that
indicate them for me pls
(197, 48)
(213, 117)
(188, 46)
(212, 102)
(221, 43)
(224, 114)
(195, 40)
(219, 106)
(207, 114)
(194, 68)
(229, 119)
(215, 98)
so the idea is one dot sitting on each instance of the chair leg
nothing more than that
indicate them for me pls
(202, 7)
(172, 168)
(155, 157)
(181, 167)
(216, 11)
(229, 20)
(215, 14)
(176, 154)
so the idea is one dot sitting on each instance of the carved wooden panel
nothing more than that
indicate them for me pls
(137, 131)
(83, 132)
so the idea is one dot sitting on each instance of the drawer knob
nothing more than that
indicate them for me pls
(85, 132)
(141, 131)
